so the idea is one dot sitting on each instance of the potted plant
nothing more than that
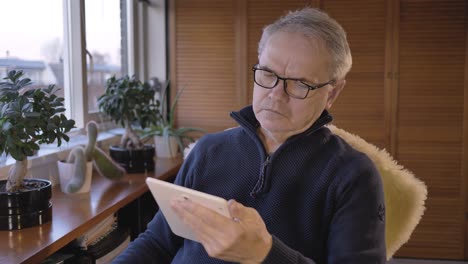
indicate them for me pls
(129, 101)
(28, 117)
(75, 173)
(168, 139)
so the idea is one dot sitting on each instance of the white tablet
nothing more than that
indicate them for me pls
(164, 192)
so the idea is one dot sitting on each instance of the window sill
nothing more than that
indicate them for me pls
(43, 165)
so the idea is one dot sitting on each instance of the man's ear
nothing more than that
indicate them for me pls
(334, 92)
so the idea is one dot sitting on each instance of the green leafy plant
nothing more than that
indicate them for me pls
(28, 117)
(127, 100)
(165, 126)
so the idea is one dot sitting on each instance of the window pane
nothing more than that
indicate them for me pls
(103, 42)
(32, 41)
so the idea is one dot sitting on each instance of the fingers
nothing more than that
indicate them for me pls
(238, 239)
(208, 215)
(203, 221)
(208, 226)
(241, 213)
(235, 209)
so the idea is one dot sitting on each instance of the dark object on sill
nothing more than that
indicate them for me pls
(136, 160)
(26, 208)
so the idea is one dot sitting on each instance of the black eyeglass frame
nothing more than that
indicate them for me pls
(310, 87)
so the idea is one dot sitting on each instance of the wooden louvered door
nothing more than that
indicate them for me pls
(432, 47)
(360, 108)
(406, 92)
(204, 62)
(213, 47)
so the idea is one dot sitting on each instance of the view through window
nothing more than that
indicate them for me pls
(103, 45)
(33, 42)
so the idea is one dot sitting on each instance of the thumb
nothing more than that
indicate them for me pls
(237, 210)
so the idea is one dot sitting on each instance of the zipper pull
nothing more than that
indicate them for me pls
(261, 180)
(265, 164)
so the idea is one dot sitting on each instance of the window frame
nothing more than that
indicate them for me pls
(75, 74)
(75, 52)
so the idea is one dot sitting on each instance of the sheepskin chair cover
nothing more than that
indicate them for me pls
(404, 193)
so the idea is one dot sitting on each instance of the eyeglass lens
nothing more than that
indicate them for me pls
(269, 80)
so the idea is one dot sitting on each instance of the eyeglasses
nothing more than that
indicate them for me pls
(296, 88)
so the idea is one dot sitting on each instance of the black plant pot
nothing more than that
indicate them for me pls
(26, 208)
(136, 160)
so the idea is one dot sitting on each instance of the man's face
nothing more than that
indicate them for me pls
(292, 55)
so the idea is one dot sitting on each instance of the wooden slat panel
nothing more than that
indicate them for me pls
(436, 236)
(205, 63)
(360, 107)
(430, 119)
(464, 166)
(259, 14)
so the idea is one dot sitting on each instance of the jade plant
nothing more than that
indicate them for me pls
(129, 101)
(102, 162)
(28, 117)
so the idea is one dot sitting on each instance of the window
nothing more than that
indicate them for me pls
(50, 40)
(103, 45)
(36, 48)
(52, 48)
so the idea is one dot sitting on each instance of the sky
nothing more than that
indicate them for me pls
(27, 26)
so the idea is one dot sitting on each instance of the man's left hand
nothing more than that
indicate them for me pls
(242, 238)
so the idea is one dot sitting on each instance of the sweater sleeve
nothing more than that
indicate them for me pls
(357, 229)
(157, 244)
(281, 253)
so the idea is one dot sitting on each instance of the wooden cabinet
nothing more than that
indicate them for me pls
(407, 90)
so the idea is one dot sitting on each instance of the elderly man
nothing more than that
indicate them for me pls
(299, 194)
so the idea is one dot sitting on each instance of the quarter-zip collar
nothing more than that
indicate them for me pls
(246, 118)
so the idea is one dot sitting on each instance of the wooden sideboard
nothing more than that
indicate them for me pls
(74, 214)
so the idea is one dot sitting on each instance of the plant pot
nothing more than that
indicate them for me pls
(166, 147)
(135, 160)
(26, 208)
(66, 172)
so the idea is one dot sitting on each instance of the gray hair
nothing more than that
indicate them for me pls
(315, 24)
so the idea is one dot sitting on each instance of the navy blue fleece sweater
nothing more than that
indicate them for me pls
(320, 199)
